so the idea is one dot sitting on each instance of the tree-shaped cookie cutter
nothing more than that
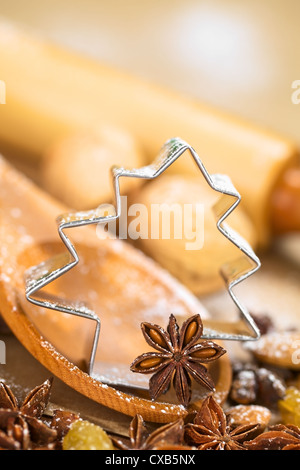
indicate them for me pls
(233, 272)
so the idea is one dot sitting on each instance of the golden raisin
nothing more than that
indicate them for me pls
(289, 407)
(84, 435)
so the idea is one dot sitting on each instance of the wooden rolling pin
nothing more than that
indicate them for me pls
(51, 91)
(285, 202)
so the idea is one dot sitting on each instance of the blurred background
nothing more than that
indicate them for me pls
(238, 56)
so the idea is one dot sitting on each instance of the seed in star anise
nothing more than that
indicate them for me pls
(178, 358)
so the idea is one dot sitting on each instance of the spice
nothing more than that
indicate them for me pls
(278, 437)
(62, 421)
(21, 426)
(169, 436)
(179, 356)
(211, 429)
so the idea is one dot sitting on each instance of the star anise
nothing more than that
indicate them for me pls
(278, 437)
(168, 436)
(62, 421)
(211, 429)
(21, 426)
(180, 356)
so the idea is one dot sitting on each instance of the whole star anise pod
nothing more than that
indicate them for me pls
(21, 426)
(211, 429)
(278, 437)
(168, 436)
(180, 356)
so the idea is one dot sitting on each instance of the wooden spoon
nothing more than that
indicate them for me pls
(120, 283)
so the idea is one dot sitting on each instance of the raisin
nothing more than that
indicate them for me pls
(84, 435)
(264, 323)
(271, 387)
(252, 384)
(244, 387)
(289, 407)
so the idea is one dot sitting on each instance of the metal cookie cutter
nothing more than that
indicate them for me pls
(36, 278)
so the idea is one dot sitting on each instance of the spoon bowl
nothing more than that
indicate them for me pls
(120, 283)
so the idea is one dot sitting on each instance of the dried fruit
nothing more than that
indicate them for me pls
(84, 435)
(289, 407)
(271, 387)
(280, 349)
(180, 356)
(249, 414)
(244, 387)
(256, 385)
(264, 322)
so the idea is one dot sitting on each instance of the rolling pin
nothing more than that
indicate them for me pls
(285, 202)
(52, 91)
